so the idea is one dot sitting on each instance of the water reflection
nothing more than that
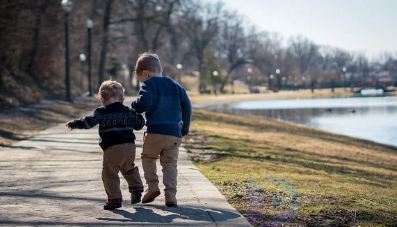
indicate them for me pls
(373, 119)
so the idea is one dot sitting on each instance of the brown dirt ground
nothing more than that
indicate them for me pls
(24, 123)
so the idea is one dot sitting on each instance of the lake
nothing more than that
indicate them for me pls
(370, 118)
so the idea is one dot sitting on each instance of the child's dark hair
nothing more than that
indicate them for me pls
(148, 61)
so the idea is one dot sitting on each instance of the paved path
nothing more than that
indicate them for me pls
(54, 179)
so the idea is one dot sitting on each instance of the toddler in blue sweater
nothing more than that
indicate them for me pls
(168, 112)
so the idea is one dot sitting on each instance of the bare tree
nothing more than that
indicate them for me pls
(105, 39)
(389, 64)
(231, 42)
(201, 27)
(362, 64)
(306, 52)
(179, 50)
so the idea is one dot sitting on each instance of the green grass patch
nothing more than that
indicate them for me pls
(342, 181)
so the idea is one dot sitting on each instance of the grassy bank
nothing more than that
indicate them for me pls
(343, 181)
(17, 125)
(300, 94)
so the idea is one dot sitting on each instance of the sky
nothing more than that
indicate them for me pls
(368, 26)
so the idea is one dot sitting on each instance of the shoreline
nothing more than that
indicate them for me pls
(305, 126)
(299, 94)
(324, 166)
(224, 108)
(317, 129)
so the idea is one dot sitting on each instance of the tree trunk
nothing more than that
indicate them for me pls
(131, 75)
(224, 82)
(35, 38)
(233, 67)
(312, 85)
(93, 8)
(200, 69)
(105, 38)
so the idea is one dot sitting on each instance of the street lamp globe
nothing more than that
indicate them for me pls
(158, 8)
(249, 70)
(179, 66)
(272, 76)
(90, 24)
(344, 69)
(278, 71)
(82, 57)
(67, 5)
(215, 73)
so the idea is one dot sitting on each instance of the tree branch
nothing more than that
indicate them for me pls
(133, 19)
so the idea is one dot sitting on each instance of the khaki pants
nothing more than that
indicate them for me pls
(167, 147)
(120, 158)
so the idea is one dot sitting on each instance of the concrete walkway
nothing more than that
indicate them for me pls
(54, 179)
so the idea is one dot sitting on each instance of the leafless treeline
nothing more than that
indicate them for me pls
(201, 36)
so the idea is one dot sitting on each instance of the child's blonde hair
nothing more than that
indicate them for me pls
(148, 61)
(109, 89)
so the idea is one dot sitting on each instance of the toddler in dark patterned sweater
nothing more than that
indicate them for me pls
(117, 140)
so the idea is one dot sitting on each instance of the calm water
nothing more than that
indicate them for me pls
(372, 119)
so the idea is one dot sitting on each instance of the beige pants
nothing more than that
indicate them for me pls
(120, 158)
(167, 147)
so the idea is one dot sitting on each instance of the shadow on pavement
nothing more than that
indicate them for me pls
(169, 214)
(58, 141)
(17, 147)
(9, 135)
(143, 216)
(36, 194)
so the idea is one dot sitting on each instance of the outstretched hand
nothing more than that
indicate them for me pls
(68, 126)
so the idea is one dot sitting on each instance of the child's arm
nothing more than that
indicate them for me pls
(86, 122)
(145, 98)
(138, 121)
(186, 108)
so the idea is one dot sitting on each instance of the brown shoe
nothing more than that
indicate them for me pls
(151, 194)
(170, 201)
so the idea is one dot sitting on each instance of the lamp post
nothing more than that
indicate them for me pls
(215, 74)
(249, 78)
(89, 27)
(179, 67)
(271, 83)
(344, 77)
(278, 79)
(67, 6)
(82, 60)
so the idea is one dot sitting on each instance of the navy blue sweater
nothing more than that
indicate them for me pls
(116, 124)
(166, 105)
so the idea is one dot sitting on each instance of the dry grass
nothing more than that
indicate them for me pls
(301, 94)
(190, 83)
(19, 125)
(343, 181)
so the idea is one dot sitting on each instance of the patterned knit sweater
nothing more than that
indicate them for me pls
(116, 124)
